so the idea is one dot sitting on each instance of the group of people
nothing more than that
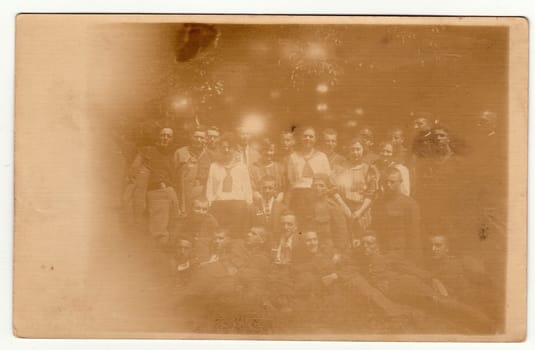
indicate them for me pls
(307, 219)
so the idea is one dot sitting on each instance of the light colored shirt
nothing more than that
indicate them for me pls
(241, 183)
(318, 162)
(405, 179)
(358, 182)
(284, 250)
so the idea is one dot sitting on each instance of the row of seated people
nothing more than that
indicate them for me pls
(301, 268)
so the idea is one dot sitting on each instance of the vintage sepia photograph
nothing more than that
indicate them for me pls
(270, 177)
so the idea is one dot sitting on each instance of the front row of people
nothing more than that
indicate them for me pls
(303, 267)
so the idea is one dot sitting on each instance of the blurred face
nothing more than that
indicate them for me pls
(392, 182)
(386, 152)
(288, 225)
(200, 208)
(165, 137)
(421, 124)
(245, 135)
(220, 240)
(308, 138)
(184, 248)
(311, 242)
(441, 137)
(439, 247)
(370, 246)
(398, 138)
(256, 235)
(269, 153)
(225, 150)
(212, 137)
(356, 151)
(367, 135)
(487, 121)
(330, 142)
(268, 189)
(319, 187)
(287, 142)
(199, 138)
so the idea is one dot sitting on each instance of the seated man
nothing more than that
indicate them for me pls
(329, 220)
(464, 278)
(266, 210)
(183, 262)
(289, 243)
(316, 267)
(217, 269)
(252, 277)
(198, 226)
(404, 283)
(287, 250)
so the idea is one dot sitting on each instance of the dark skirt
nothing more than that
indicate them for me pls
(232, 215)
(301, 202)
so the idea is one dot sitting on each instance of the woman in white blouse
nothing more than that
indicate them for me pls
(228, 188)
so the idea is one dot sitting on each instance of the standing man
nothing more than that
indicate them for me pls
(367, 137)
(248, 154)
(401, 153)
(330, 142)
(162, 202)
(212, 138)
(287, 145)
(187, 160)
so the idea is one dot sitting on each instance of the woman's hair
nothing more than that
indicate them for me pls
(358, 140)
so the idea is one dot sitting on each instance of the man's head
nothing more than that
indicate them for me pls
(257, 235)
(441, 137)
(321, 185)
(184, 248)
(308, 138)
(422, 124)
(330, 140)
(311, 241)
(165, 137)
(212, 137)
(486, 121)
(268, 188)
(268, 150)
(439, 247)
(198, 137)
(221, 238)
(356, 150)
(226, 147)
(369, 245)
(287, 141)
(387, 151)
(244, 135)
(200, 206)
(392, 181)
(397, 136)
(366, 135)
(288, 223)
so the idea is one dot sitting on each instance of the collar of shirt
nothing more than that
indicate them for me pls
(268, 205)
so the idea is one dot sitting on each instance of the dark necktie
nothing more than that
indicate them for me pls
(307, 169)
(227, 181)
